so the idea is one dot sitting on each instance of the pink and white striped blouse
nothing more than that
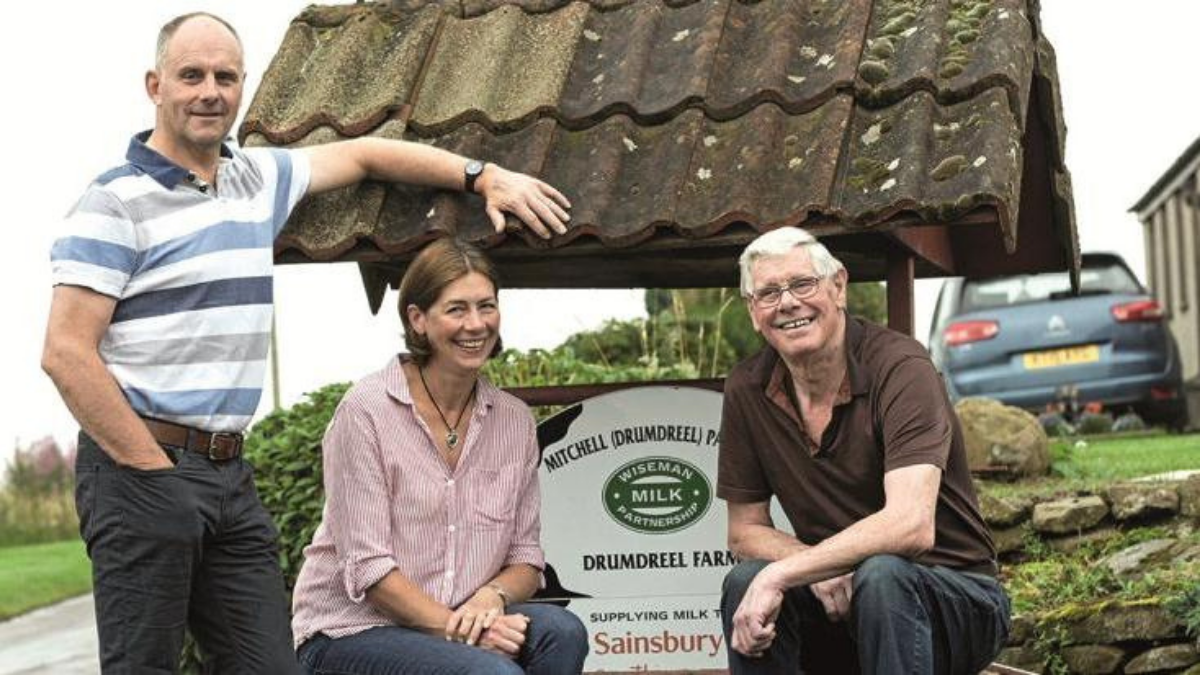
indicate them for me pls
(391, 502)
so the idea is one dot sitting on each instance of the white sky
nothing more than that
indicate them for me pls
(74, 97)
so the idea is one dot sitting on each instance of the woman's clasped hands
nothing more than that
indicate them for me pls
(481, 621)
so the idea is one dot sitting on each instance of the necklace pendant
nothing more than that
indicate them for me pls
(452, 439)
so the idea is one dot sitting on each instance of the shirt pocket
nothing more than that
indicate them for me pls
(493, 497)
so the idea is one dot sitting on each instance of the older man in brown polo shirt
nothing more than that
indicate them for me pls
(891, 569)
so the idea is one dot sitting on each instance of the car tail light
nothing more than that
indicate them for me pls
(1159, 393)
(1140, 310)
(964, 332)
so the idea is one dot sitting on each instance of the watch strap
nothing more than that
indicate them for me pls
(471, 173)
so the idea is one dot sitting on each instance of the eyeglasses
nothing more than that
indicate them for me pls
(800, 288)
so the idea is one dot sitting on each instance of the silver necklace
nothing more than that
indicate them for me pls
(451, 431)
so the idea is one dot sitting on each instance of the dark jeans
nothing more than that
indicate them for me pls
(555, 644)
(187, 546)
(904, 619)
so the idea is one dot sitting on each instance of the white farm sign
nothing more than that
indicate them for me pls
(632, 529)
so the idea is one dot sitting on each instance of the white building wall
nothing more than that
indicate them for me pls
(1158, 283)
(1172, 237)
(1187, 326)
(1182, 236)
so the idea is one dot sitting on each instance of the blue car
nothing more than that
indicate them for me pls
(1029, 341)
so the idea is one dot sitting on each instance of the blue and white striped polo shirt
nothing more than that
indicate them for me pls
(191, 271)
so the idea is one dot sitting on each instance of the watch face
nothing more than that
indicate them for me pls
(474, 167)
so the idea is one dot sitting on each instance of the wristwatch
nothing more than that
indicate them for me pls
(471, 172)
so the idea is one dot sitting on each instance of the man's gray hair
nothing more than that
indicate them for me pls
(780, 242)
(169, 28)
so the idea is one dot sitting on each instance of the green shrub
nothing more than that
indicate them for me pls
(37, 496)
(285, 449)
(37, 518)
(1130, 421)
(1055, 425)
(1094, 423)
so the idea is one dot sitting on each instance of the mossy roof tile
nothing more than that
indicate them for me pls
(501, 68)
(955, 50)
(689, 121)
(646, 59)
(939, 162)
(798, 53)
(622, 176)
(352, 76)
(766, 167)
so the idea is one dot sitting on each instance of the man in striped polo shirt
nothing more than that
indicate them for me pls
(157, 341)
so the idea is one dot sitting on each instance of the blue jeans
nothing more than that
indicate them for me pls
(905, 619)
(555, 644)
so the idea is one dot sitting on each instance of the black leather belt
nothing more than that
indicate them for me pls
(218, 445)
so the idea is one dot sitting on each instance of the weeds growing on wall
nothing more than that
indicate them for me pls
(1050, 580)
(1186, 608)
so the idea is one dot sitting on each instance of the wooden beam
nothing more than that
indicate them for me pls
(930, 243)
(574, 393)
(900, 273)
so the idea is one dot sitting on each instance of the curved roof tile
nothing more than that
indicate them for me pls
(702, 120)
(352, 75)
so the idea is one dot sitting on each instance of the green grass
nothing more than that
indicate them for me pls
(1118, 458)
(1093, 463)
(41, 574)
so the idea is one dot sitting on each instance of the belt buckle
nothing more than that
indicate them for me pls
(214, 438)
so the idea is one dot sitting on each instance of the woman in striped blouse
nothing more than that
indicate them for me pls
(428, 546)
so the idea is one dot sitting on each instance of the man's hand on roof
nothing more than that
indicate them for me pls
(534, 202)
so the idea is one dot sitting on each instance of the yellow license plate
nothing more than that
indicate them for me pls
(1061, 357)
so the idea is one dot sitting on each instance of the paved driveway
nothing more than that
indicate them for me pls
(55, 640)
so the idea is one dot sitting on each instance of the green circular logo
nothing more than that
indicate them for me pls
(657, 495)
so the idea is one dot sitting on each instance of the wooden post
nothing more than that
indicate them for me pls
(274, 365)
(900, 273)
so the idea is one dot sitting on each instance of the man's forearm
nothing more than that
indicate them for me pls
(412, 163)
(763, 542)
(881, 532)
(906, 526)
(95, 400)
(344, 163)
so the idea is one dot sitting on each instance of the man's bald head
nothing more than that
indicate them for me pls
(169, 28)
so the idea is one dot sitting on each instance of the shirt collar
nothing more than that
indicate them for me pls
(148, 160)
(858, 376)
(856, 382)
(397, 387)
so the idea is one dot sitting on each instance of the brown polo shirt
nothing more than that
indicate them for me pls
(892, 411)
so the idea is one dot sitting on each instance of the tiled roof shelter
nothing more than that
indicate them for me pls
(916, 137)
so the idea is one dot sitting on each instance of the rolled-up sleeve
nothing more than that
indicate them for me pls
(357, 500)
(525, 547)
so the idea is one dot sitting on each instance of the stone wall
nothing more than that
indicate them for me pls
(1109, 637)
(1136, 637)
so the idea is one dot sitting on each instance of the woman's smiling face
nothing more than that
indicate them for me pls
(462, 325)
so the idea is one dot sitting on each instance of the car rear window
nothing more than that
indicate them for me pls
(1094, 279)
